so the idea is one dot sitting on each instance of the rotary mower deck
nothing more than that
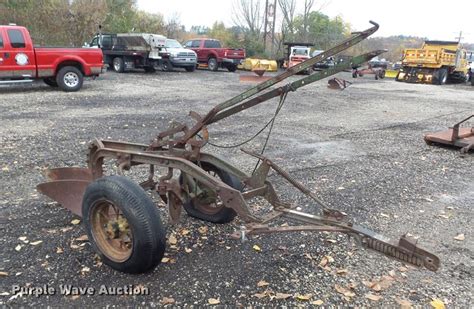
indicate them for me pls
(123, 223)
(454, 136)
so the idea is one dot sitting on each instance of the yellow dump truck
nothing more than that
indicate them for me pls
(434, 63)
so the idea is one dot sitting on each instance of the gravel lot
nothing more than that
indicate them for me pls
(361, 150)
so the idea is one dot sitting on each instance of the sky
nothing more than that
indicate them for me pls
(442, 20)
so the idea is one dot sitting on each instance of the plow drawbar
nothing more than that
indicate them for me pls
(123, 223)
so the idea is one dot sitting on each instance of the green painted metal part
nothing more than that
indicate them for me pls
(296, 84)
(353, 40)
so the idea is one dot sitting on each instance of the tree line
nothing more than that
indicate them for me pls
(73, 22)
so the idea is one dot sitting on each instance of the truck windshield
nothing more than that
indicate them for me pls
(172, 44)
(300, 51)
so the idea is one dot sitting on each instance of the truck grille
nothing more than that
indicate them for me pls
(186, 54)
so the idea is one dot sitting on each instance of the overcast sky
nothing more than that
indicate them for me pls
(426, 18)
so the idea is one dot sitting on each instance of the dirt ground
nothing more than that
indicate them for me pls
(361, 150)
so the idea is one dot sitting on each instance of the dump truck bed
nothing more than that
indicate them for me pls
(433, 54)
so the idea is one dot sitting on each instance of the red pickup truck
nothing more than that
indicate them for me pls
(65, 68)
(210, 52)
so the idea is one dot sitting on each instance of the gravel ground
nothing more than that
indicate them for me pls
(361, 150)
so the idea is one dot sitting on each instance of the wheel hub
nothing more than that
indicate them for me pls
(111, 231)
(71, 79)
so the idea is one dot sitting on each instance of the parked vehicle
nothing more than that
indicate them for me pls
(299, 54)
(376, 66)
(434, 63)
(21, 62)
(175, 56)
(470, 59)
(125, 51)
(211, 53)
(323, 65)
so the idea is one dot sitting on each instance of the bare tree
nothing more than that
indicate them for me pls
(247, 15)
(173, 26)
(288, 9)
(85, 16)
(308, 6)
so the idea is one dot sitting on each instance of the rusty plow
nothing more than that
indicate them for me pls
(124, 224)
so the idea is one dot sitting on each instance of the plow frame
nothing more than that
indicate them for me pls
(179, 149)
(128, 155)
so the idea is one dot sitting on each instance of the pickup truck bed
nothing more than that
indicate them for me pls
(210, 52)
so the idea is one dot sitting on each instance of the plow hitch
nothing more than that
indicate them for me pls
(123, 222)
(332, 220)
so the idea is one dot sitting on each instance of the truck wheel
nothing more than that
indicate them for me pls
(69, 79)
(210, 208)
(442, 76)
(118, 65)
(123, 225)
(382, 74)
(212, 64)
(51, 81)
(167, 66)
(150, 70)
(190, 69)
(232, 67)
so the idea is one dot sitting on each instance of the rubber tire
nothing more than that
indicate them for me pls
(226, 214)
(472, 80)
(397, 78)
(121, 65)
(167, 66)
(149, 69)
(190, 69)
(232, 67)
(376, 76)
(51, 81)
(212, 64)
(442, 76)
(143, 216)
(382, 74)
(60, 79)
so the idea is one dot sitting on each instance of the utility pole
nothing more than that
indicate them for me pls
(265, 27)
(459, 37)
(269, 27)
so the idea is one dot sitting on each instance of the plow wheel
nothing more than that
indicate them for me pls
(202, 202)
(123, 224)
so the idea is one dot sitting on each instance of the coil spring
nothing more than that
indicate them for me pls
(392, 251)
